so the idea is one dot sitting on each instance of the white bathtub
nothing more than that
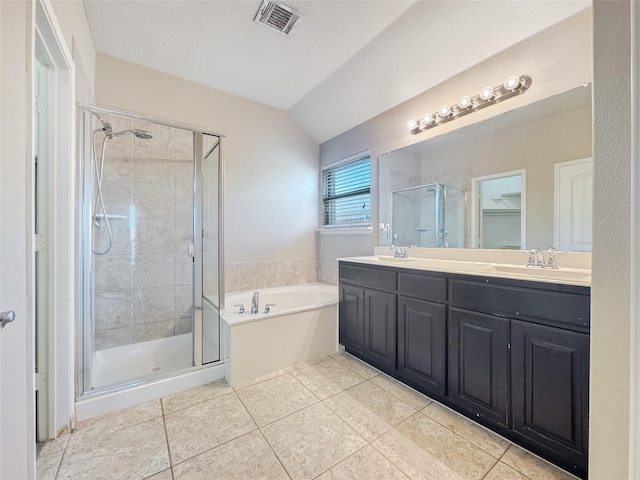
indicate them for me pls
(301, 327)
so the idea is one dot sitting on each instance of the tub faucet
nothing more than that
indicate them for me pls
(254, 302)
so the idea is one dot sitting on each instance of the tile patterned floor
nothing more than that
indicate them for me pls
(333, 419)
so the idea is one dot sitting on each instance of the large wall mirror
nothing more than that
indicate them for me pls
(542, 153)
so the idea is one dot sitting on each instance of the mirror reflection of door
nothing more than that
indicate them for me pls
(573, 198)
(498, 219)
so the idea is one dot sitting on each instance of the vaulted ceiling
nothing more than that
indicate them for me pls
(345, 62)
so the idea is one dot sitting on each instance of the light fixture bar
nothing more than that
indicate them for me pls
(512, 86)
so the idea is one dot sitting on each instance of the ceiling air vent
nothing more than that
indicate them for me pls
(277, 16)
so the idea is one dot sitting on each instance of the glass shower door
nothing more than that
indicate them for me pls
(141, 223)
(211, 268)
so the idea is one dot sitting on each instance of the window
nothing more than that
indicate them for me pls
(346, 193)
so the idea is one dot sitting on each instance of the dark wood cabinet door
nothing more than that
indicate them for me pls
(380, 324)
(550, 387)
(422, 344)
(479, 364)
(351, 314)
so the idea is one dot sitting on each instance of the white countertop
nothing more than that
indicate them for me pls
(566, 276)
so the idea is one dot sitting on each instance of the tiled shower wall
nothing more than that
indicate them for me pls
(142, 287)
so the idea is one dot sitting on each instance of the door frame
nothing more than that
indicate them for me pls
(475, 205)
(51, 47)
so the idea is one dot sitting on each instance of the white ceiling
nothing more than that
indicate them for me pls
(345, 62)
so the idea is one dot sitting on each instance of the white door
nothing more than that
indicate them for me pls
(573, 195)
(17, 439)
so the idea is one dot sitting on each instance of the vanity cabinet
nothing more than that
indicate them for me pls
(368, 325)
(510, 354)
(550, 388)
(479, 364)
(351, 312)
(380, 329)
(422, 345)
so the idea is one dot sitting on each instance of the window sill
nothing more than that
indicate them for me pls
(346, 231)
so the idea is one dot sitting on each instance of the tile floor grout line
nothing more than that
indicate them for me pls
(305, 387)
(199, 402)
(213, 448)
(64, 451)
(258, 381)
(491, 468)
(289, 414)
(275, 453)
(466, 439)
(392, 426)
(388, 459)
(247, 410)
(365, 365)
(343, 460)
(166, 437)
(401, 385)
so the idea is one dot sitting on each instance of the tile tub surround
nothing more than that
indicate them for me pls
(143, 285)
(267, 274)
(371, 427)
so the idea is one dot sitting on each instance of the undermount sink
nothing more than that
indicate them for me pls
(547, 273)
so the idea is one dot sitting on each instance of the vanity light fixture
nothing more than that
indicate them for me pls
(444, 111)
(512, 86)
(427, 119)
(465, 102)
(487, 93)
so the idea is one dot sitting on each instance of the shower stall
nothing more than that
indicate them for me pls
(429, 216)
(150, 250)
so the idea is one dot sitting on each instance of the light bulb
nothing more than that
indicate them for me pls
(412, 124)
(512, 82)
(486, 93)
(444, 111)
(427, 119)
(465, 102)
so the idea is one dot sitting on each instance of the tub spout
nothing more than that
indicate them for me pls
(254, 302)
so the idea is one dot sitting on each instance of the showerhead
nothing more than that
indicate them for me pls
(142, 134)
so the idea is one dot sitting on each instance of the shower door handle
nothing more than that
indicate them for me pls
(6, 317)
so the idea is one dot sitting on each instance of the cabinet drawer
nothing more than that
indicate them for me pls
(369, 277)
(422, 286)
(547, 306)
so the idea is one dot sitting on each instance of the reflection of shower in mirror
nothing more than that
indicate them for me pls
(429, 216)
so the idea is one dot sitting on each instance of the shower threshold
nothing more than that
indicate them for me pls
(123, 364)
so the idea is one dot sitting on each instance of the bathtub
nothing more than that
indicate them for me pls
(302, 326)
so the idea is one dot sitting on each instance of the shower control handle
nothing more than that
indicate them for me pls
(6, 317)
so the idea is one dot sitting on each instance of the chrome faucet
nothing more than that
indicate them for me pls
(551, 259)
(400, 252)
(536, 258)
(254, 302)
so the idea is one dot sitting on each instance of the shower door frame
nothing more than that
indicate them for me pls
(438, 216)
(84, 350)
